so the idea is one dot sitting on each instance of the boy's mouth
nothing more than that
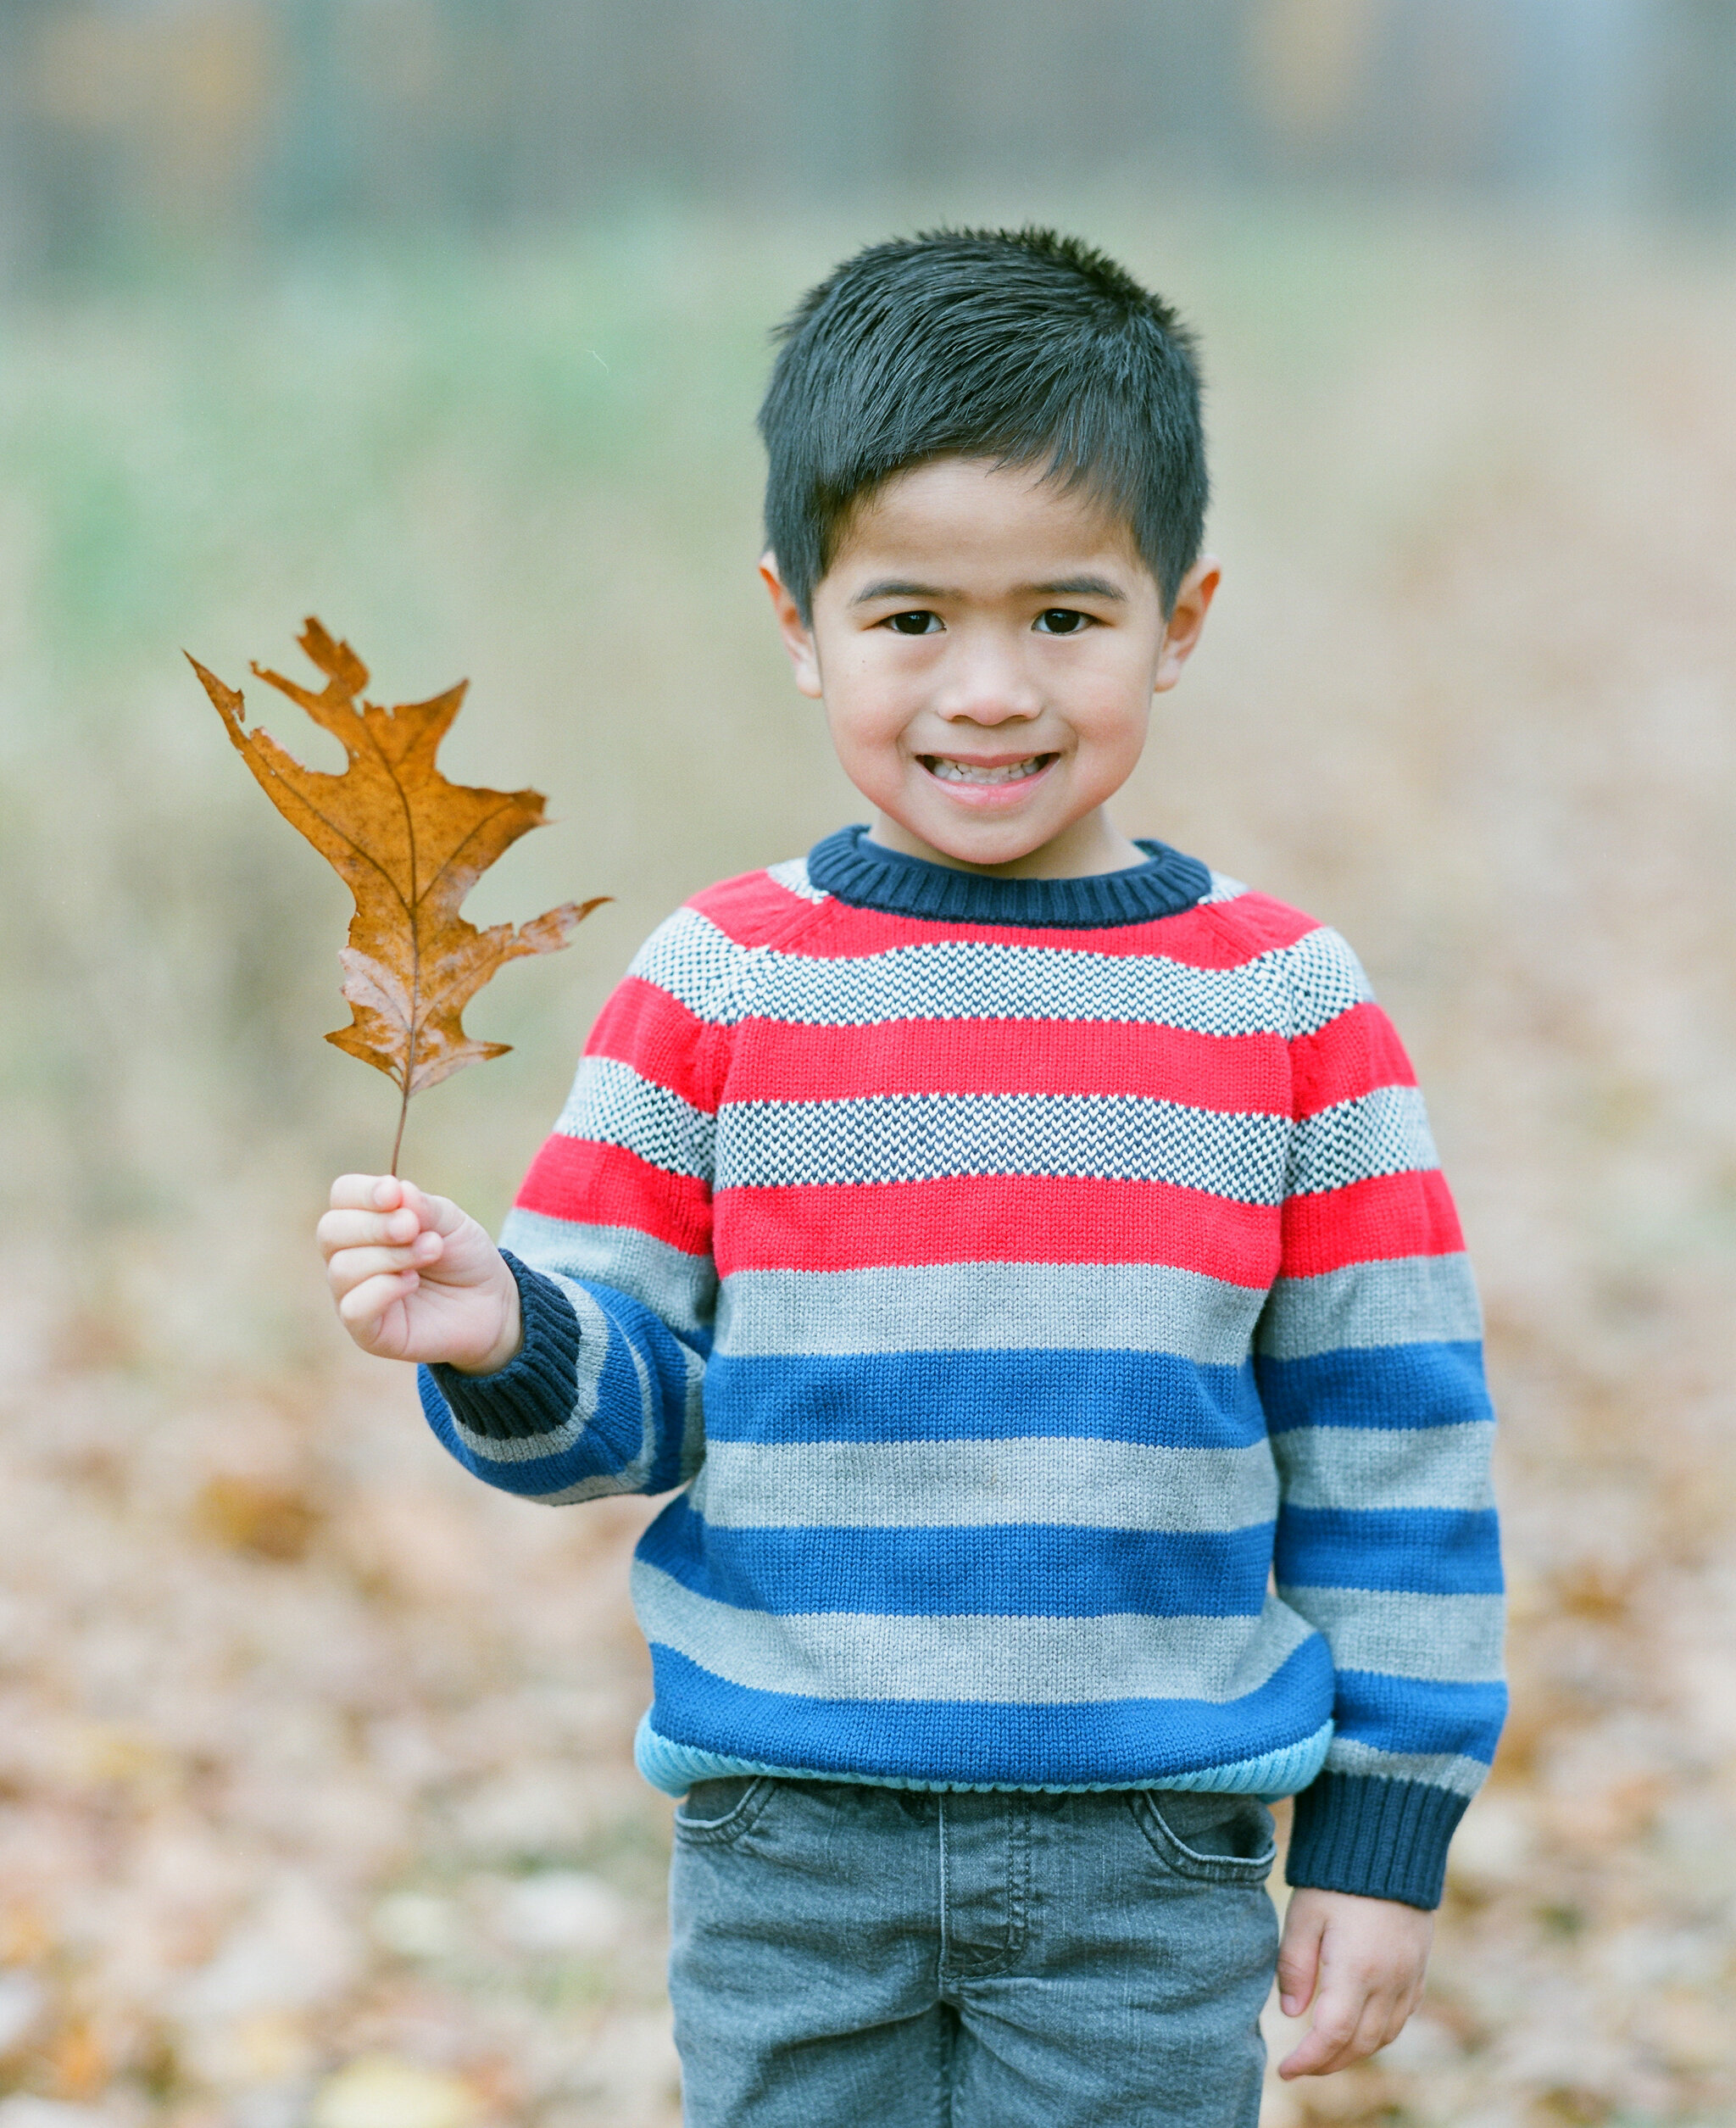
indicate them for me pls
(946, 770)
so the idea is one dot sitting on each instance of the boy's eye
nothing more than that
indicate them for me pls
(913, 624)
(1062, 621)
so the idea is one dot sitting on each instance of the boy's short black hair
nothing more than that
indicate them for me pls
(1013, 345)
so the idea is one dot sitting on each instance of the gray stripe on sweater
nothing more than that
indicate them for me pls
(680, 1289)
(1447, 1640)
(1438, 1769)
(1406, 1300)
(987, 1307)
(1025, 1662)
(699, 965)
(1293, 989)
(1383, 1132)
(594, 1339)
(593, 1344)
(1289, 990)
(1087, 1485)
(1387, 1466)
(612, 1105)
(925, 1137)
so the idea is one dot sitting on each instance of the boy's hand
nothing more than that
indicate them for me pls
(415, 1278)
(1360, 1962)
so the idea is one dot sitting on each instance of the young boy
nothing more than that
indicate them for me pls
(1027, 1250)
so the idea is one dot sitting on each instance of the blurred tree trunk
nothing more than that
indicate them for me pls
(1694, 120)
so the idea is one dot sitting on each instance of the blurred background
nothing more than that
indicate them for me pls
(447, 321)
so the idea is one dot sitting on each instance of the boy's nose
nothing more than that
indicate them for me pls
(991, 713)
(987, 688)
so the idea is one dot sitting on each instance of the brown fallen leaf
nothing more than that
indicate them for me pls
(409, 845)
(248, 1515)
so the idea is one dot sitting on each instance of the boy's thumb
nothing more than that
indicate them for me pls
(1299, 1960)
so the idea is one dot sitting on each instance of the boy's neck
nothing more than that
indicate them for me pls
(1087, 847)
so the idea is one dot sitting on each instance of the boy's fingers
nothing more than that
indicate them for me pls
(1379, 2023)
(349, 1230)
(1317, 2051)
(1401, 2013)
(363, 1307)
(370, 1229)
(1320, 2052)
(1344, 2032)
(351, 1268)
(439, 1213)
(1334, 2029)
(366, 1193)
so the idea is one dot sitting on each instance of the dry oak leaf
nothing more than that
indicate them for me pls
(409, 845)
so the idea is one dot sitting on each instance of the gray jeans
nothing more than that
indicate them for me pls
(847, 1955)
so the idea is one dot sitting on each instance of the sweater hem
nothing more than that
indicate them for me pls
(674, 1768)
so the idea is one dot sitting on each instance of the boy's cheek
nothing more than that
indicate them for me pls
(875, 765)
(868, 722)
(867, 673)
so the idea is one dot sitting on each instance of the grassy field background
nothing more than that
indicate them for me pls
(315, 1799)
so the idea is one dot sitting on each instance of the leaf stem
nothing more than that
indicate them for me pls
(409, 1055)
(404, 1111)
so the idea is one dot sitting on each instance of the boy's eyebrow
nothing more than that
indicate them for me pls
(1057, 587)
(897, 587)
(1077, 588)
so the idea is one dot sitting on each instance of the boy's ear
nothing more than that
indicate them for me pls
(1187, 619)
(798, 636)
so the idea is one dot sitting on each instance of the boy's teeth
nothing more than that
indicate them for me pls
(967, 772)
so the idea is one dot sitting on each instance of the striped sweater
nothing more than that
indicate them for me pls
(1046, 1298)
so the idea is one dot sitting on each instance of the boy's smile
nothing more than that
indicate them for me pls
(986, 642)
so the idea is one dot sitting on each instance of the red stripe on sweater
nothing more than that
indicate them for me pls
(645, 1027)
(605, 1186)
(752, 909)
(1223, 935)
(1236, 1074)
(994, 1219)
(1240, 1074)
(1373, 1222)
(1351, 1056)
(1242, 929)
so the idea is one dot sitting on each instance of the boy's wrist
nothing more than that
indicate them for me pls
(509, 1343)
(533, 1393)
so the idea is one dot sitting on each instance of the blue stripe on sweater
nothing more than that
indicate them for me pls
(1430, 1551)
(1149, 1397)
(1417, 1716)
(595, 1427)
(1099, 1742)
(531, 1477)
(1024, 1570)
(1424, 1385)
(603, 1449)
(635, 1328)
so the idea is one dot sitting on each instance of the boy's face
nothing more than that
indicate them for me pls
(986, 643)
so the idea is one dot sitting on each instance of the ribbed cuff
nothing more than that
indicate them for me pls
(1385, 1839)
(533, 1393)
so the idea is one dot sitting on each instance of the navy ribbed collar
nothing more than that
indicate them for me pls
(861, 872)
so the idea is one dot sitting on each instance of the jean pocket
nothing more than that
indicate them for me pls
(714, 1812)
(1216, 1839)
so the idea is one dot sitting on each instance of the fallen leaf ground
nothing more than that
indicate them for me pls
(315, 1798)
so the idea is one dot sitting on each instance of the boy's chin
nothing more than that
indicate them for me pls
(975, 846)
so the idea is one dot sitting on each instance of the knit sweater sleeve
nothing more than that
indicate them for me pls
(610, 1243)
(1368, 1357)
